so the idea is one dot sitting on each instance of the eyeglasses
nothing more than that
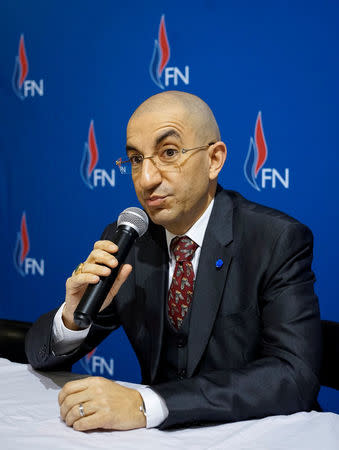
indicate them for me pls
(164, 159)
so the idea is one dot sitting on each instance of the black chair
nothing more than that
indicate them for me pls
(13, 332)
(12, 340)
(329, 374)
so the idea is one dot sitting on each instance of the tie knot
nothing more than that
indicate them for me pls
(183, 248)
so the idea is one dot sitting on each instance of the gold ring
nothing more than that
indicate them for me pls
(78, 269)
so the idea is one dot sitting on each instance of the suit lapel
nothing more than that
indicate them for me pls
(210, 280)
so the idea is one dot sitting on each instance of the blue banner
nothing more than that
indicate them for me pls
(72, 72)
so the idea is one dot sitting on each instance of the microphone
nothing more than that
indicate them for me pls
(132, 223)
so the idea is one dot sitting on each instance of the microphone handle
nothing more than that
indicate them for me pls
(95, 294)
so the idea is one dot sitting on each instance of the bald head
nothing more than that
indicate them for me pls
(178, 138)
(196, 112)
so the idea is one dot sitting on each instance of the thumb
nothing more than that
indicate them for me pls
(122, 276)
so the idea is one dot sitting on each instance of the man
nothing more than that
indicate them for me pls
(245, 345)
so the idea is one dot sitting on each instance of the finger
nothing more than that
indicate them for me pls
(96, 269)
(89, 422)
(99, 256)
(106, 245)
(72, 387)
(74, 415)
(77, 281)
(73, 400)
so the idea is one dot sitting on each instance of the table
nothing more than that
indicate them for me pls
(30, 419)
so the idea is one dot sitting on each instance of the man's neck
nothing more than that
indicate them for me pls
(197, 231)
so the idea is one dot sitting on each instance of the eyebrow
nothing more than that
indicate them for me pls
(158, 140)
(131, 148)
(165, 135)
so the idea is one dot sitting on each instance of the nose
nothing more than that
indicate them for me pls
(150, 175)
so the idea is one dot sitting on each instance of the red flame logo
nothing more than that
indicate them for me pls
(23, 61)
(163, 42)
(90, 354)
(161, 54)
(24, 238)
(257, 154)
(93, 148)
(260, 143)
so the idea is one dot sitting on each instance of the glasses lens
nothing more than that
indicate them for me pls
(128, 168)
(168, 167)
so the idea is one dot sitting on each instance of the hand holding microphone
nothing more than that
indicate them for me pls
(103, 272)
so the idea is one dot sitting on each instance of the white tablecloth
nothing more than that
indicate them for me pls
(29, 419)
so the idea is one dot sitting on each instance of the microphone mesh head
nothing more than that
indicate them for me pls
(135, 218)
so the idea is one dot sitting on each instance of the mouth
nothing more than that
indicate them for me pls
(156, 200)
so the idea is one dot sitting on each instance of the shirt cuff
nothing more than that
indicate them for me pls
(65, 340)
(155, 407)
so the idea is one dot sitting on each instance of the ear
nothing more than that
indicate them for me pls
(217, 154)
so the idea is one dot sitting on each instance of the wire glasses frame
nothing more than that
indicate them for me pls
(134, 163)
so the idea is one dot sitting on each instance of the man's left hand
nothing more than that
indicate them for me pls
(106, 404)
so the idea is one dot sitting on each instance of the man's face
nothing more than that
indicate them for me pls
(173, 197)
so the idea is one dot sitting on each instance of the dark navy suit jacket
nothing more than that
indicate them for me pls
(254, 345)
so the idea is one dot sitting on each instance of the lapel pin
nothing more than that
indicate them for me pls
(219, 264)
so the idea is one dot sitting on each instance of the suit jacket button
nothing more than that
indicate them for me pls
(181, 374)
(181, 340)
(43, 353)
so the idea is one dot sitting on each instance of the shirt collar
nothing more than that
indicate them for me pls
(197, 230)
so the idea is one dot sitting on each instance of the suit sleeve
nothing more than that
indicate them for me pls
(283, 379)
(38, 343)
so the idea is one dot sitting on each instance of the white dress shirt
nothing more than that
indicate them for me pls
(65, 340)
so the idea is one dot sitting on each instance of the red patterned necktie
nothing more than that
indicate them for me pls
(181, 289)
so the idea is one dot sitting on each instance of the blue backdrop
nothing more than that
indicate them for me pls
(71, 74)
